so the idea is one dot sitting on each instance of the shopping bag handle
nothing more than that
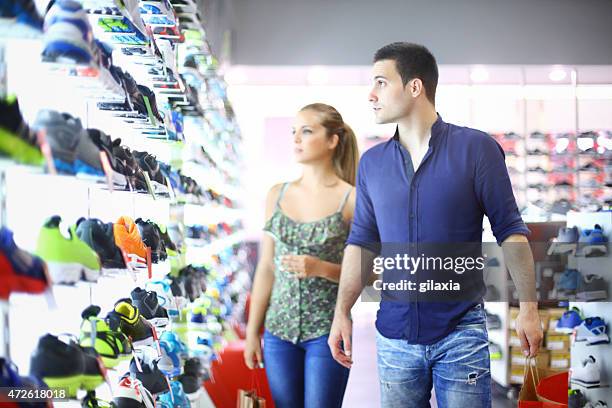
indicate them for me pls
(255, 382)
(535, 375)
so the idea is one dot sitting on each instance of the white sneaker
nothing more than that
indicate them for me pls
(588, 374)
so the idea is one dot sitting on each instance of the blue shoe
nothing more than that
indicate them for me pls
(29, 269)
(176, 398)
(175, 342)
(568, 282)
(24, 11)
(593, 330)
(569, 320)
(68, 34)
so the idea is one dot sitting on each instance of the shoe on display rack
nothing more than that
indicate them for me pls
(132, 394)
(99, 236)
(165, 297)
(177, 397)
(152, 239)
(149, 375)
(567, 284)
(91, 401)
(66, 365)
(576, 399)
(148, 305)
(128, 319)
(148, 163)
(569, 320)
(68, 36)
(169, 362)
(192, 379)
(112, 345)
(68, 258)
(63, 134)
(17, 140)
(593, 242)
(105, 144)
(20, 271)
(593, 330)
(591, 288)
(127, 238)
(588, 374)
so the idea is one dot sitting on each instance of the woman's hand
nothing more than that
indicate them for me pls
(303, 266)
(252, 351)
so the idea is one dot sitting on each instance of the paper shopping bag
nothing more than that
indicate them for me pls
(543, 387)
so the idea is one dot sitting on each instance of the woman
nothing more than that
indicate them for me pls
(296, 281)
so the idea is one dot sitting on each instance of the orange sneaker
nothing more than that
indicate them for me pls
(127, 237)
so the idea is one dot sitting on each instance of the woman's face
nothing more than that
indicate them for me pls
(310, 141)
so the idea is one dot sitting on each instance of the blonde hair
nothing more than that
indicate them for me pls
(346, 155)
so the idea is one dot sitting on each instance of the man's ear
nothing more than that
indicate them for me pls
(415, 87)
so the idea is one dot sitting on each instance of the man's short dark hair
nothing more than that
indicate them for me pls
(412, 61)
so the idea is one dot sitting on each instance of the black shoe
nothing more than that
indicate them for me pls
(151, 237)
(193, 289)
(131, 169)
(66, 365)
(145, 91)
(192, 378)
(105, 144)
(128, 319)
(149, 307)
(148, 163)
(177, 286)
(150, 376)
(99, 236)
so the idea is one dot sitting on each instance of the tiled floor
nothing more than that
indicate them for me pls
(362, 390)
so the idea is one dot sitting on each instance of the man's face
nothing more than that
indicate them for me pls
(390, 99)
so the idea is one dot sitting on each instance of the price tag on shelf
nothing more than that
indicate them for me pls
(149, 110)
(149, 184)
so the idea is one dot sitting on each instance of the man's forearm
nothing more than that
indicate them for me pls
(519, 260)
(356, 267)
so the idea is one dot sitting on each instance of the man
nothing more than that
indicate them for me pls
(431, 183)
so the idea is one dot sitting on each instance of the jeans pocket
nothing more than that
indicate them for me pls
(473, 318)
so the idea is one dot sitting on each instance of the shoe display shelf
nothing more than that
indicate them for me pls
(601, 266)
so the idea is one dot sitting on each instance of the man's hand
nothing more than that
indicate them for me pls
(340, 339)
(529, 328)
(303, 266)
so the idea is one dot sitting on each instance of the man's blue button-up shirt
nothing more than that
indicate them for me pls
(462, 178)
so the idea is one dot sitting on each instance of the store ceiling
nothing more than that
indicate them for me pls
(347, 32)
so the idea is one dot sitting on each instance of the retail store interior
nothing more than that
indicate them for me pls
(139, 139)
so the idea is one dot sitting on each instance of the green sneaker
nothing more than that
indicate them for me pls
(17, 140)
(112, 346)
(68, 259)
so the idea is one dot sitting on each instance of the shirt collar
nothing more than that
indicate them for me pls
(436, 129)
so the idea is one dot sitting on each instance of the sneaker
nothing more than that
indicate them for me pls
(129, 166)
(68, 36)
(104, 144)
(24, 12)
(592, 287)
(593, 330)
(91, 401)
(62, 134)
(588, 374)
(150, 376)
(131, 323)
(112, 345)
(593, 242)
(128, 238)
(495, 351)
(568, 321)
(165, 297)
(132, 394)
(568, 282)
(66, 365)
(149, 164)
(68, 259)
(567, 235)
(192, 379)
(152, 239)
(170, 362)
(17, 140)
(21, 271)
(170, 246)
(177, 398)
(493, 321)
(576, 399)
(149, 307)
(99, 236)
